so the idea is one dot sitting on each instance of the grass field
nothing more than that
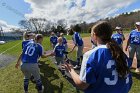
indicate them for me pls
(11, 79)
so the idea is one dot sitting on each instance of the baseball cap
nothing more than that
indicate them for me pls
(137, 23)
(118, 28)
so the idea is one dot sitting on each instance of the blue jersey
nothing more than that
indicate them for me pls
(134, 37)
(31, 52)
(118, 38)
(64, 40)
(58, 50)
(77, 39)
(53, 40)
(99, 71)
(24, 43)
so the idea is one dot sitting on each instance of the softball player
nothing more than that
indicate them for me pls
(28, 37)
(53, 39)
(118, 37)
(105, 69)
(64, 41)
(59, 53)
(30, 55)
(77, 40)
(134, 45)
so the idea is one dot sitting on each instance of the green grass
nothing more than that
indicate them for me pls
(136, 83)
(11, 79)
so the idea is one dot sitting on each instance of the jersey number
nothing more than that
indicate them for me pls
(113, 81)
(30, 50)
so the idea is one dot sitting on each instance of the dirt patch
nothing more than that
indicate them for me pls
(6, 59)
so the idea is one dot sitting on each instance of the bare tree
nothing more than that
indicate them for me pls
(34, 24)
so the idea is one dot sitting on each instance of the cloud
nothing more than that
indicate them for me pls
(75, 11)
(5, 26)
(136, 10)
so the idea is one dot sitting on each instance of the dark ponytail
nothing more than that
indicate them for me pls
(103, 30)
(120, 58)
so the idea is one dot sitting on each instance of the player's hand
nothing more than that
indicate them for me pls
(17, 65)
(68, 67)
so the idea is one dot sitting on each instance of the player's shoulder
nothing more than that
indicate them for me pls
(25, 41)
(95, 50)
(114, 34)
(38, 45)
(76, 33)
(133, 31)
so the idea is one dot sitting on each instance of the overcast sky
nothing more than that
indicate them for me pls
(71, 11)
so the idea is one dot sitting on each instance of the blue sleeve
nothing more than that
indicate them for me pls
(77, 38)
(50, 39)
(41, 51)
(23, 50)
(88, 69)
(74, 39)
(112, 37)
(65, 40)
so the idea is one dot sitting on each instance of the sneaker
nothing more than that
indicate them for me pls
(137, 70)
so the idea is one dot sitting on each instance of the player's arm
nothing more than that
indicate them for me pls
(73, 48)
(123, 37)
(127, 44)
(50, 54)
(18, 61)
(47, 55)
(75, 43)
(76, 78)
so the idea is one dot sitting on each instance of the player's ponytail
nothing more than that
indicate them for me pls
(103, 30)
(120, 58)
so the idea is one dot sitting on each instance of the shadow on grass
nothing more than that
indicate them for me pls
(68, 77)
(135, 75)
(48, 72)
(71, 81)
